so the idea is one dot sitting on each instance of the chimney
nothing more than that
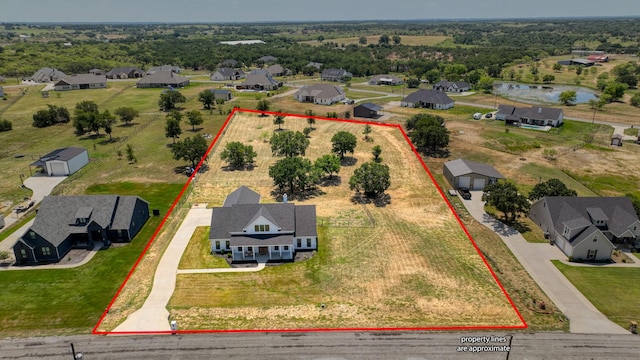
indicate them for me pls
(284, 198)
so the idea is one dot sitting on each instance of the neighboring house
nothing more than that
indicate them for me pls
(386, 80)
(47, 75)
(225, 95)
(367, 110)
(63, 162)
(278, 70)
(251, 231)
(155, 69)
(223, 74)
(429, 99)
(97, 72)
(536, 115)
(452, 86)
(163, 79)
(586, 228)
(335, 75)
(267, 59)
(63, 223)
(469, 174)
(581, 62)
(314, 64)
(259, 82)
(125, 73)
(321, 94)
(80, 82)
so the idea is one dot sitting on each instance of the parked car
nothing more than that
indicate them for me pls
(348, 101)
(464, 193)
(489, 115)
(477, 116)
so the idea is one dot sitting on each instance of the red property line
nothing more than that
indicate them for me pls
(424, 166)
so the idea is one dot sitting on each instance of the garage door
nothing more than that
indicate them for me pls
(464, 181)
(57, 169)
(478, 184)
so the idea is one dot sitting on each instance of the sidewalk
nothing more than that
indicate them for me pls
(536, 259)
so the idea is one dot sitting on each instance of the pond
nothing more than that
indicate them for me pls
(542, 93)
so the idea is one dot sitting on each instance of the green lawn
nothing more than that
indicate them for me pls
(70, 301)
(198, 252)
(598, 284)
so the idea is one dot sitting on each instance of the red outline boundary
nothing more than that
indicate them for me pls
(424, 166)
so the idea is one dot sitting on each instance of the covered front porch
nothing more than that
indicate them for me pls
(262, 253)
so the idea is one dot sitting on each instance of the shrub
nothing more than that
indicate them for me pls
(5, 125)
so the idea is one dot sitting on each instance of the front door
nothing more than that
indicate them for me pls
(263, 250)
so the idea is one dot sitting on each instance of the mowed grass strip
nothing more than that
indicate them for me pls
(598, 283)
(70, 301)
(416, 267)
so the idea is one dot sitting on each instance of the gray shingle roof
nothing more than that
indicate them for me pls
(619, 210)
(259, 79)
(320, 91)
(164, 77)
(124, 70)
(230, 72)
(56, 218)
(290, 218)
(461, 167)
(335, 73)
(83, 79)
(538, 112)
(429, 97)
(371, 106)
(46, 74)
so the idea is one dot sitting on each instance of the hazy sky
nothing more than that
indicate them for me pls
(301, 10)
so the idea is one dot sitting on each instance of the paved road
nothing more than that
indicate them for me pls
(321, 346)
(536, 258)
(153, 315)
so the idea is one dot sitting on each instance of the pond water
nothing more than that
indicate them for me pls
(542, 93)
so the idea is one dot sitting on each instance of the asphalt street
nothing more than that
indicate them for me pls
(328, 346)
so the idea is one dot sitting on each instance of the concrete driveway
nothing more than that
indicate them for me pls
(536, 259)
(41, 187)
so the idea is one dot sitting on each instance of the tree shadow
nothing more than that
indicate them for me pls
(381, 200)
(196, 129)
(90, 136)
(127, 125)
(241, 168)
(301, 195)
(170, 145)
(331, 181)
(439, 153)
(348, 161)
(108, 141)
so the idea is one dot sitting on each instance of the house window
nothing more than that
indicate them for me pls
(266, 227)
(299, 243)
(227, 244)
(286, 248)
(239, 248)
(595, 239)
(257, 228)
(23, 253)
(276, 247)
(46, 251)
(308, 243)
(119, 233)
(217, 245)
(32, 235)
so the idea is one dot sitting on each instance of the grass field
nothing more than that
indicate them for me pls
(416, 267)
(198, 253)
(70, 301)
(598, 284)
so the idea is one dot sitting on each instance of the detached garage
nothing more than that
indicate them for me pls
(469, 174)
(63, 162)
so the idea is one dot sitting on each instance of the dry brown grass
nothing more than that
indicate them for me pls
(416, 267)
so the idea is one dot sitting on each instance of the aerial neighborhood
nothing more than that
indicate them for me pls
(287, 176)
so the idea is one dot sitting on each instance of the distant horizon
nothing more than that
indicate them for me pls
(622, 17)
(286, 11)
